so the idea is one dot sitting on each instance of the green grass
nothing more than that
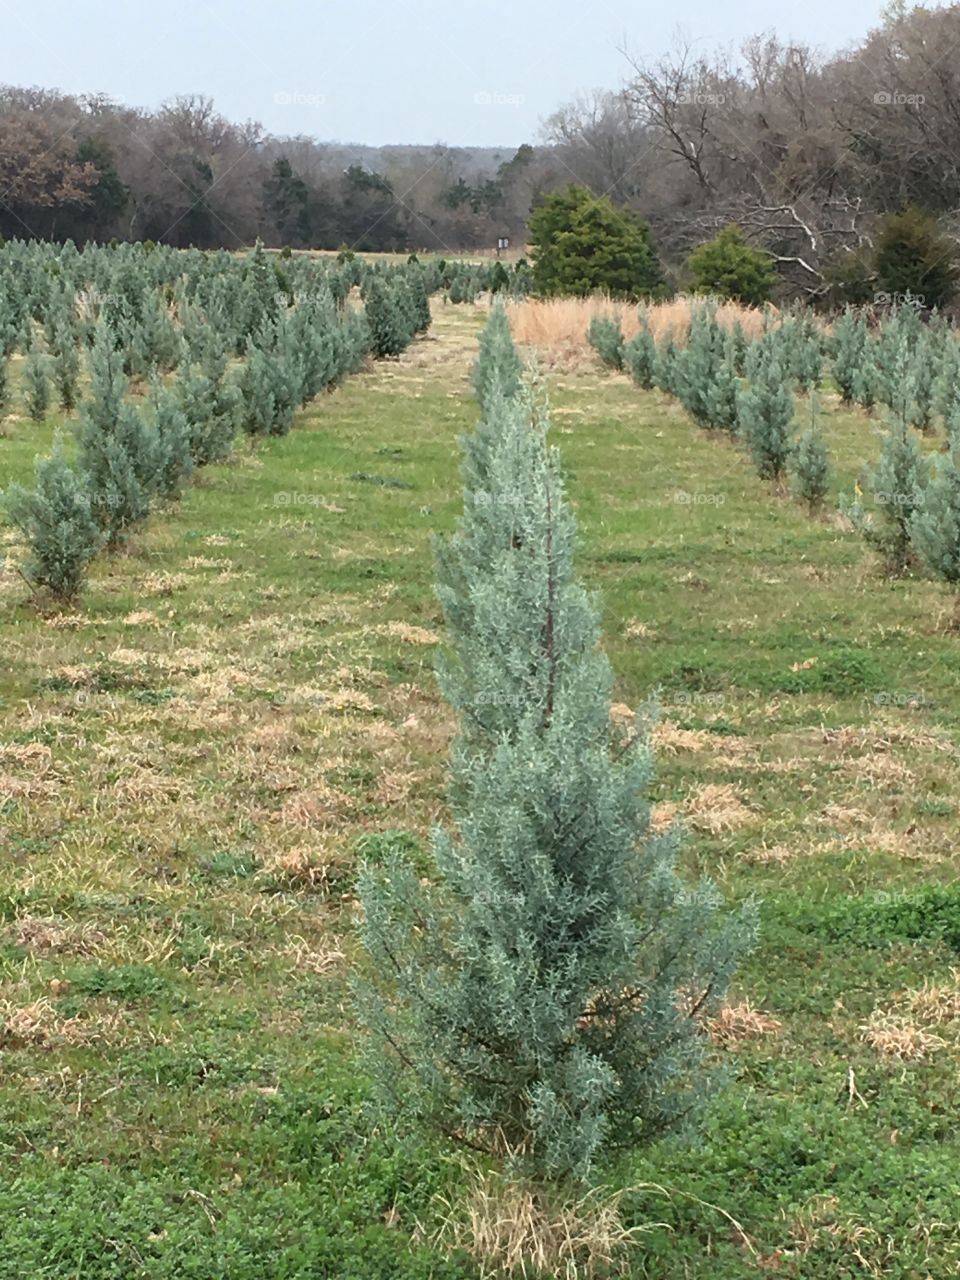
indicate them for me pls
(193, 760)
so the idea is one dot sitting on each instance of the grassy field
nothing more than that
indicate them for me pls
(192, 763)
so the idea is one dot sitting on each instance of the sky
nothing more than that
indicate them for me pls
(463, 72)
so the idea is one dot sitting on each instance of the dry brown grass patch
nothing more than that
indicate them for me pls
(668, 736)
(559, 325)
(637, 630)
(66, 621)
(165, 584)
(663, 816)
(315, 809)
(309, 957)
(306, 867)
(34, 757)
(737, 1022)
(894, 1035)
(878, 768)
(52, 935)
(39, 1025)
(26, 769)
(274, 739)
(406, 632)
(331, 699)
(935, 1003)
(716, 808)
(777, 855)
(821, 1219)
(512, 1227)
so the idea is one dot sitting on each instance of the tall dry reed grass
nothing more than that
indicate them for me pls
(559, 325)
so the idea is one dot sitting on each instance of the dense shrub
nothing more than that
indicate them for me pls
(913, 259)
(728, 267)
(584, 244)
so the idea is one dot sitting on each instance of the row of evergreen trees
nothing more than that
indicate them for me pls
(729, 383)
(247, 350)
(161, 303)
(542, 996)
(908, 508)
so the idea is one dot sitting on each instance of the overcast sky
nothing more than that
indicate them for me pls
(471, 72)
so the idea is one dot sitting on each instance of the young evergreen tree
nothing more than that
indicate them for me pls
(924, 386)
(420, 298)
(389, 331)
(116, 450)
(210, 403)
(36, 382)
(544, 999)
(697, 363)
(65, 367)
(765, 412)
(498, 358)
(868, 382)
(738, 349)
(807, 357)
(665, 369)
(640, 357)
(258, 406)
(849, 342)
(174, 463)
(947, 389)
(606, 337)
(810, 463)
(720, 399)
(58, 524)
(159, 337)
(934, 525)
(108, 382)
(259, 302)
(896, 483)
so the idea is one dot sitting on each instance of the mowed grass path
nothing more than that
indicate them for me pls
(193, 761)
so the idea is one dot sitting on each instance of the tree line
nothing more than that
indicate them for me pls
(88, 169)
(804, 152)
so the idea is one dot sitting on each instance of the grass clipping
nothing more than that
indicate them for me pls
(517, 1227)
